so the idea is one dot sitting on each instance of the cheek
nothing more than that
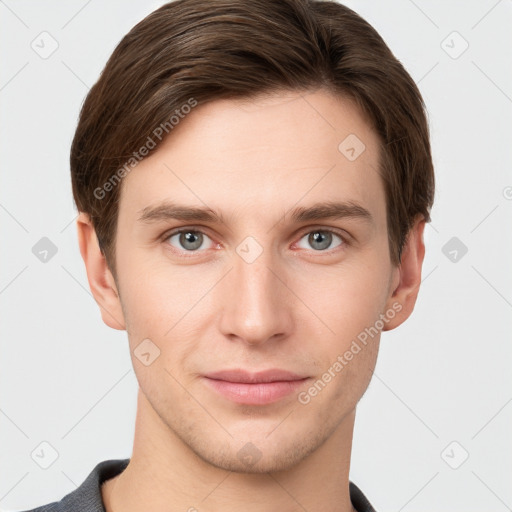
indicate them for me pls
(153, 293)
(146, 314)
(345, 343)
(346, 299)
(163, 304)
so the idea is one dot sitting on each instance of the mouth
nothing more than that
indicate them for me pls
(258, 388)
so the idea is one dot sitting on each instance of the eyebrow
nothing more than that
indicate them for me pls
(319, 211)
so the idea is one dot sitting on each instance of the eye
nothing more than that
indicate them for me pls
(321, 239)
(188, 239)
(192, 240)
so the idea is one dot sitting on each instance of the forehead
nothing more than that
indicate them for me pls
(261, 156)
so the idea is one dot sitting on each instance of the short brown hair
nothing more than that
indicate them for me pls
(203, 50)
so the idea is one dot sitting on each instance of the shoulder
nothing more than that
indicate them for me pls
(359, 500)
(86, 497)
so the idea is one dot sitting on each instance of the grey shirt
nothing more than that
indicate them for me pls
(87, 497)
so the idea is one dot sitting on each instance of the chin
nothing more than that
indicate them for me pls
(257, 454)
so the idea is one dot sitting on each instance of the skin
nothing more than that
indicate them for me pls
(295, 307)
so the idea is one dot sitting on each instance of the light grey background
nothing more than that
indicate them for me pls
(443, 376)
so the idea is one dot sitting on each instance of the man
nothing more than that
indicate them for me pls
(253, 180)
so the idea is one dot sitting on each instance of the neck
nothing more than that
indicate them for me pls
(164, 472)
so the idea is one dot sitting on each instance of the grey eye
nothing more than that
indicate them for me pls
(189, 239)
(320, 240)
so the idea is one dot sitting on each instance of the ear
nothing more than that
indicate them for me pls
(101, 280)
(407, 277)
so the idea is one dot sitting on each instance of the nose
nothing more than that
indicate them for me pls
(257, 302)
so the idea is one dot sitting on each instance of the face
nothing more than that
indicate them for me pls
(269, 280)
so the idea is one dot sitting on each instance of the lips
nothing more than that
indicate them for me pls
(272, 375)
(254, 388)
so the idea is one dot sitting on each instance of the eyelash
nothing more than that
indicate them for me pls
(344, 239)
